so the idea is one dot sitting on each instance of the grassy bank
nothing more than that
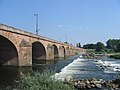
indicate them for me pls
(117, 56)
(43, 81)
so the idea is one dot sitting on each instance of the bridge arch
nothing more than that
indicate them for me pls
(64, 51)
(38, 51)
(56, 54)
(8, 52)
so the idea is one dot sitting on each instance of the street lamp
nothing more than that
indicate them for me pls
(36, 23)
(66, 37)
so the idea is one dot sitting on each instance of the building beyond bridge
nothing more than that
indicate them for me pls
(20, 48)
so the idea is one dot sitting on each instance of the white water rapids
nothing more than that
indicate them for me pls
(87, 68)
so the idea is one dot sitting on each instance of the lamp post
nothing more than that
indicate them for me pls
(66, 37)
(36, 23)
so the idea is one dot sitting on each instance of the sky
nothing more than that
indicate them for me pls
(84, 21)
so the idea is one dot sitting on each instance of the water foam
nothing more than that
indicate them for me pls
(109, 66)
(68, 71)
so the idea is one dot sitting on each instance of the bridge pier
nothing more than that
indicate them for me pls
(25, 54)
(50, 52)
(67, 52)
(61, 52)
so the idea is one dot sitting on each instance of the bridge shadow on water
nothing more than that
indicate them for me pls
(10, 74)
(51, 65)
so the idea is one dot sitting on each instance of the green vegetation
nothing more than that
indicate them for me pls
(113, 46)
(78, 45)
(117, 56)
(89, 46)
(98, 47)
(43, 81)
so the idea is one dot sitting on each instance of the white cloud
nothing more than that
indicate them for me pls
(80, 27)
(59, 25)
(87, 28)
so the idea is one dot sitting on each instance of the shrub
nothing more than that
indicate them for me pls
(43, 81)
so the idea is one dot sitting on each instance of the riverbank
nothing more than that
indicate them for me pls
(96, 56)
(46, 81)
(97, 84)
(71, 75)
(111, 55)
(40, 81)
(89, 74)
(116, 56)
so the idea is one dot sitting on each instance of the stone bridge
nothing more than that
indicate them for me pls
(20, 48)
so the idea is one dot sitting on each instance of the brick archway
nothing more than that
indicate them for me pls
(56, 54)
(8, 52)
(38, 51)
(64, 51)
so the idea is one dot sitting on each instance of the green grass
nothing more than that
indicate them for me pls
(43, 81)
(117, 56)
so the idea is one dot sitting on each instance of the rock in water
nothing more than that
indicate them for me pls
(98, 85)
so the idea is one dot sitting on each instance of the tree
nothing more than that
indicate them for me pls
(100, 47)
(109, 44)
(113, 44)
(89, 46)
(78, 45)
(66, 42)
(118, 47)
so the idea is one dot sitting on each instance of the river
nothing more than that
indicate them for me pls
(105, 68)
(76, 67)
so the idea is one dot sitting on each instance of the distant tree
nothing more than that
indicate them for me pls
(113, 44)
(118, 47)
(109, 44)
(89, 46)
(78, 45)
(100, 47)
(66, 42)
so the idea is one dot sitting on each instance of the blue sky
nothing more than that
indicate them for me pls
(84, 21)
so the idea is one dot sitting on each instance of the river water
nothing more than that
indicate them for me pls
(75, 67)
(105, 68)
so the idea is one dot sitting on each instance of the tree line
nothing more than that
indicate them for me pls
(99, 47)
(112, 45)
